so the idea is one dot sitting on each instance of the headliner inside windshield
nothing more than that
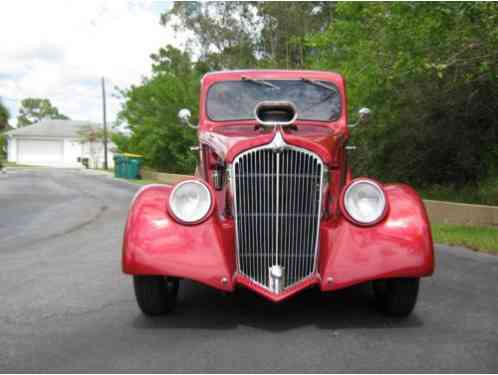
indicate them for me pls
(236, 100)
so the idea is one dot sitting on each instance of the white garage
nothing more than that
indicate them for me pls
(40, 151)
(57, 143)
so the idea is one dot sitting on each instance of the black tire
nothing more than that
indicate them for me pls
(156, 295)
(396, 297)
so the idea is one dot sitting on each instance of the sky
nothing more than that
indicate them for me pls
(60, 50)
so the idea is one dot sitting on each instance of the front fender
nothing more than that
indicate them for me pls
(399, 246)
(155, 244)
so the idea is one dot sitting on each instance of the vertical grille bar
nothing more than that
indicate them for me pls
(292, 210)
(277, 196)
(260, 210)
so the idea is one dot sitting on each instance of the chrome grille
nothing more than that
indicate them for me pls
(277, 192)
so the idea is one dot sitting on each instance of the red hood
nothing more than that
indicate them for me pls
(227, 141)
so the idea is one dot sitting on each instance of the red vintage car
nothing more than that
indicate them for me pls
(273, 207)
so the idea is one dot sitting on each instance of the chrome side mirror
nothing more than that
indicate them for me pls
(184, 116)
(363, 116)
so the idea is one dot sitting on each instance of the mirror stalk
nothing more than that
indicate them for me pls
(364, 114)
(184, 116)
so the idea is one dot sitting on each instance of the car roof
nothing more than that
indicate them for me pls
(269, 74)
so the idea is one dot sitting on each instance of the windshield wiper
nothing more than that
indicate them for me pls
(318, 83)
(260, 82)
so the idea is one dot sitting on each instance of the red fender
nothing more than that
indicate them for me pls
(398, 246)
(155, 244)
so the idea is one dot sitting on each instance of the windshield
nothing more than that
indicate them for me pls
(236, 100)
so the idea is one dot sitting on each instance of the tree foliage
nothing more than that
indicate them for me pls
(4, 117)
(285, 25)
(4, 125)
(430, 74)
(150, 110)
(94, 139)
(235, 35)
(121, 141)
(36, 109)
(428, 71)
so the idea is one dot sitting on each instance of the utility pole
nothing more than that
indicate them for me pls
(105, 124)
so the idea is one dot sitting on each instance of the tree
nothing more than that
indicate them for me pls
(4, 117)
(121, 141)
(93, 138)
(234, 35)
(35, 109)
(150, 111)
(222, 30)
(285, 26)
(4, 125)
(430, 74)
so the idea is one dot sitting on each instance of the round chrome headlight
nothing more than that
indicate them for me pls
(364, 201)
(190, 201)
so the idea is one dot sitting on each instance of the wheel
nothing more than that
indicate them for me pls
(396, 297)
(156, 295)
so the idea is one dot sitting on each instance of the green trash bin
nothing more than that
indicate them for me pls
(132, 168)
(119, 165)
(122, 167)
(133, 163)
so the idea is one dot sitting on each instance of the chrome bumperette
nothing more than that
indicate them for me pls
(277, 190)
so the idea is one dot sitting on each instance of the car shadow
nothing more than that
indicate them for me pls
(206, 308)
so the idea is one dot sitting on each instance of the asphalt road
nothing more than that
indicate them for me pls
(65, 306)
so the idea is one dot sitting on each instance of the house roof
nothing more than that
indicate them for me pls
(54, 128)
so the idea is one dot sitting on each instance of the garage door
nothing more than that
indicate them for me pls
(41, 152)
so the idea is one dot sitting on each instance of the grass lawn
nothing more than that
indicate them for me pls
(483, 239)
(142, 181)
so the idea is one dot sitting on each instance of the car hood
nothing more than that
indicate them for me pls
(229, 141)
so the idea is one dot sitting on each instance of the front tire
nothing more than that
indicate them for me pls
(156, 295)
(396, 297)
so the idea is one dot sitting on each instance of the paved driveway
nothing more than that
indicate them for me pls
(64, 304)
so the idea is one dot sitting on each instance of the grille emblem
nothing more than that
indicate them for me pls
(276, 281)
(278, 144)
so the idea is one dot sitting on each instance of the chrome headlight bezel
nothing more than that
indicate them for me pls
(354, 217)
(206, 211)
